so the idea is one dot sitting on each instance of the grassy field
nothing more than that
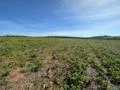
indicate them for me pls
(28, 63)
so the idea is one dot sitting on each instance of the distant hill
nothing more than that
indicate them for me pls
(13, 36)
(64, 37)
(94, 37)
(70, 37)
(105, 37)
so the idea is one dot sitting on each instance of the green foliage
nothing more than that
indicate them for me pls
(2, 82)
(34, 65)
(4, 73)
(28, 53)
(76, 79)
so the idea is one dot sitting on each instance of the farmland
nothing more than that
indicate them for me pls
(32, 63)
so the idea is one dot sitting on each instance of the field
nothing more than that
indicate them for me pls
(31, 63)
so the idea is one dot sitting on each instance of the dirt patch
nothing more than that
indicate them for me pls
(16, 75)
(47, 60)
(91, 72)
(2, 88)
(49, 77)
(73, 50)
(93, 86)
(16, 79)
(52, 74)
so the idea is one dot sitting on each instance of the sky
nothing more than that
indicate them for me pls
(81, 18)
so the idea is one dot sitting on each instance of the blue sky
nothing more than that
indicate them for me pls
(60, 17)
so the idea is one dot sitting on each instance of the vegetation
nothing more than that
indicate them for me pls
(34, 63)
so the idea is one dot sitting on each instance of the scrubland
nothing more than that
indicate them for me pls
(31, 63)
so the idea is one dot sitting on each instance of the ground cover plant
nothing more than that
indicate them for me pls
(33, 63)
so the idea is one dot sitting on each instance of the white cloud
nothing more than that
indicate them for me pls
(100, 16)
(89, 9)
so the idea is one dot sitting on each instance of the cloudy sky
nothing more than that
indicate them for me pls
(60, 17)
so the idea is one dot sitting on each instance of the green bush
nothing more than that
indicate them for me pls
(76, 78)
(34, 65)
(4, 73)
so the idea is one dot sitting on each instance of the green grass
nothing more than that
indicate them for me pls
(29, 54)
